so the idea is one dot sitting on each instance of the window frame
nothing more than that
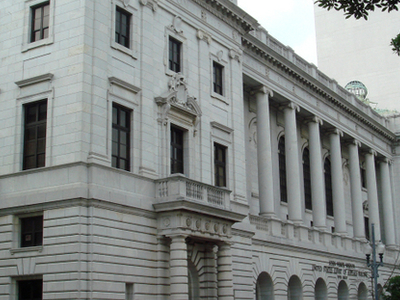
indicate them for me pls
(38, 279)
(220, 163)
(171, 52)
(118, 27)
(42, 28)
(36, 242)
(34, 125)
(282, 169)
(120, 128)
(307, 179)
(133, 29)
(27, 43)
(175, 168)
(218, 78)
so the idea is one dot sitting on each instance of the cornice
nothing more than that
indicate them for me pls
(228, 11)
(262, 50)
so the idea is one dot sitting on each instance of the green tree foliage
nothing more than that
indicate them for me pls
(392, 289)
(360, 9)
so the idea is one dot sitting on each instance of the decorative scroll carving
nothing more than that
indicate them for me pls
(234, 54)
(202, 35)
(177, 25)
(177, 98)
(153, 4)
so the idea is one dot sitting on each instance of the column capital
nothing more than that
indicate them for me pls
(261, 89)
(290, 105)
(353, 142)
(372, 152)
(386, 160)
(335, 131)
(314, 119)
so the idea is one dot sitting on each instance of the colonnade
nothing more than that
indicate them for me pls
(265, 174)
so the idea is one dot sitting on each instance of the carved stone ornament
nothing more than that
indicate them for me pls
(126, 2)
(177, 98)
(177, 25)
(220, 54)
(202, 35)
(153, 4)
(234, 54)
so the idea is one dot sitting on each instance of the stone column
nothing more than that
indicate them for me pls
(264, 157)
(292, 164)
(179, 287)
(387, 203)
(356, 190)
(339, 208)
(225, 278)
(373, 206)
(317, 174)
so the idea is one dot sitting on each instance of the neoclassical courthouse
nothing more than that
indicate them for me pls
(172, 149)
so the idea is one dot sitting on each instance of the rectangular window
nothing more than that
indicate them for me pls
(121, 132)
(174, 55)
(218, 78)
(30, 289)
(176, 150)
(31, 231)
(35, 135)
(122, 27)
(363, 178)
(219, 165)
(40, 21)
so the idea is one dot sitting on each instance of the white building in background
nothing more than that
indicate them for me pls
(173, 150)
(350, 49)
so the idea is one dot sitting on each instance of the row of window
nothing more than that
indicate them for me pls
(34, 152)
(40, 22)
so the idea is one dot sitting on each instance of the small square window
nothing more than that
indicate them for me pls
(30, 289)
(174, 51)
(31, 231)
(40, 21)
(220, 165)
(122, 27)
(218, 78)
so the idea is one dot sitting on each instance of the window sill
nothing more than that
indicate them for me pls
(219, 97)
(124, 50)
(26, 249)
(44, 42)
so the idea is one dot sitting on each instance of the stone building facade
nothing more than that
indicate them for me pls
(160, 149)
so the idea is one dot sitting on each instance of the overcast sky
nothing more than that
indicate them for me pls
(289, 21)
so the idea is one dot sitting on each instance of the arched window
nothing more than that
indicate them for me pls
(264, 287)
(282, 169)
(343, 291)
(295, 290)
(307, 178)
(328, 187)
(321, 290)
(362, 293)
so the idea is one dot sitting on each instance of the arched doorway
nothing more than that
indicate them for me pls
(295, 289)
(362, 293)
(264, 287)
(321, 290)
(343, 291)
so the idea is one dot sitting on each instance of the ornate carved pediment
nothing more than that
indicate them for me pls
(178, 100)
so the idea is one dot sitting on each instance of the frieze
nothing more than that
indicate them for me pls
(194, 224)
